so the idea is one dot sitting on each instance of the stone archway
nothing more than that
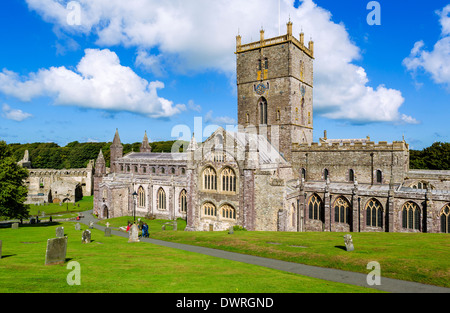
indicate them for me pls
(105, 212)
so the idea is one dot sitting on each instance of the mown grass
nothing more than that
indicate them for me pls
(416, 257)
(112, 265)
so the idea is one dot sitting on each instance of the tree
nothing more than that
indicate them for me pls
(13, 192)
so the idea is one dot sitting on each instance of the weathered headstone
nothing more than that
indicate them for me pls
(163, 227)
(134, 235)
(15, 225)
(86, 236)
(59, 232)
(175, 225)
(107, 232)
(77, 226)
(231, 230)
(56, 251)
(0, 249)
(349, 243)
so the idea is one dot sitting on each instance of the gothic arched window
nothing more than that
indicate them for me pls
(228, 212)
(228, 180)
(342, 210)
(374, 213)
(141, 197)
(209, 209)
(183, 201)
(161, 199)
(263, 111)
(411, 216)
(316, 211)
(209, 179)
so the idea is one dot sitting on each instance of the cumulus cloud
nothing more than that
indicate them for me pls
(15, 115)
(437, 61)
(99, 82)
(199, 35)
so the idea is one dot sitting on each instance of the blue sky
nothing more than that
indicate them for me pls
(164, 63)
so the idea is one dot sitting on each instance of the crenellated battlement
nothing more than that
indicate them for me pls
(355, 146)
(262, 43)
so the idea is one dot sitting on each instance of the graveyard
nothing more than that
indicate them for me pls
(115, 264)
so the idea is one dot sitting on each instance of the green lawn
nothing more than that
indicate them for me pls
(111, 264)
(415, 257)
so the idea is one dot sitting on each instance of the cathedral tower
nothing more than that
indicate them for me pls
(116, 151)
(275, 89)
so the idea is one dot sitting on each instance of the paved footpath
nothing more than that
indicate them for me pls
(352, 278)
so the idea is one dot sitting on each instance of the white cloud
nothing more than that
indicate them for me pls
(197, 35)
(437, 61)
(99, 82)
(219, 120)
(15, 115)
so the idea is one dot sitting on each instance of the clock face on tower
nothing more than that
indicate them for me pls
(261, 89)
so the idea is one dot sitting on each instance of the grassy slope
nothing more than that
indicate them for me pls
(415, 256)
(111, 264)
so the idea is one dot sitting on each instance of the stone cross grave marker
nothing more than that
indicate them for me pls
(107, 224)
(56, 251)
(86, 236)
(134, 235)
(59, 232)
(107, 232)
(91, 225)
(349, 243)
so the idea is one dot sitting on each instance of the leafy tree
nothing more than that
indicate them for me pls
(13, 192)
(435, 157)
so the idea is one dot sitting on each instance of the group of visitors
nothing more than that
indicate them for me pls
(141, 226)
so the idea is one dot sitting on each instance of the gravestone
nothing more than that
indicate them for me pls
(231, 230)
(59, 232)
(163, 227)
(349, 243)
(175, 225)
(91, 225)
(15, 225)
(107, 232)
(0, 249)
(134, 235)
(86, 236)
(77, 226)
(211, 227)
(56, 251)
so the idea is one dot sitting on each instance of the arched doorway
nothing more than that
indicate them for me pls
(105, 212)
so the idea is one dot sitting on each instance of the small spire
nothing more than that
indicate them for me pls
(116, 140)
(145, 146)
(193, 144)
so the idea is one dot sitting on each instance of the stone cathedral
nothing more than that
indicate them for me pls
(268, 174)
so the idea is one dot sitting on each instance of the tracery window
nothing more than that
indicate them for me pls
(209, 209)
(228, 212)
(141, 197)
(209, 179)
(341, 210)
(445, 219)
(374, 213)
(316, 211)
(228, 180)
(161, 199)
(411, 216)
